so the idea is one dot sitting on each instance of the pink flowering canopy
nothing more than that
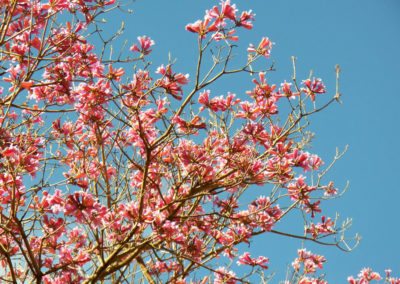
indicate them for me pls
(115, 170)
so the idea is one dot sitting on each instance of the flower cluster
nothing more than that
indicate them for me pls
(309, 263)
(259, 261)
(105, 178)
(221, 21)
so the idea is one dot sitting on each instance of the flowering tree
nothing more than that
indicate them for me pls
(115, 178)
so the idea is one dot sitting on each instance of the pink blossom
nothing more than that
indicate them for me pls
(220, 103)
(249, 110)
(365, 276)
(202, 27)
(263, 49)
(309, 260)
(225, 36)
(262, 89)
(115, 74)
(224, 276)
(247, 260)
(310, 280)
(225, 11)
(330, 190)
(299, 190)
(188, 126)
(313, 87)
(245, 20)
(204, 97)
(286, 91)
(172, 82)
(145, 43)
(326, 226)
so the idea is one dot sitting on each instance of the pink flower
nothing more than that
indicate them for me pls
(330, 189)
(249, 110)
(227, 11)
(218, 103)
(264, 47)
(115, 74)
(245, 20)
(188, 126)
(286, 91)
(224, 276)
(225, 36)
(364, 277)
(325, 227)
(313, 87)
(145, 43)
(202, 27)
(247, 260)
(85, 208)
(204, 97)
(299, 190)
(11, 151)
(172, 82)
(308, 280)
(309, 260)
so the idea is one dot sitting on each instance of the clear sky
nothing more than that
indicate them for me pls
(364, 38)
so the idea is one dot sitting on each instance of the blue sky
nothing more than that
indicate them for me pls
(363, 37)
